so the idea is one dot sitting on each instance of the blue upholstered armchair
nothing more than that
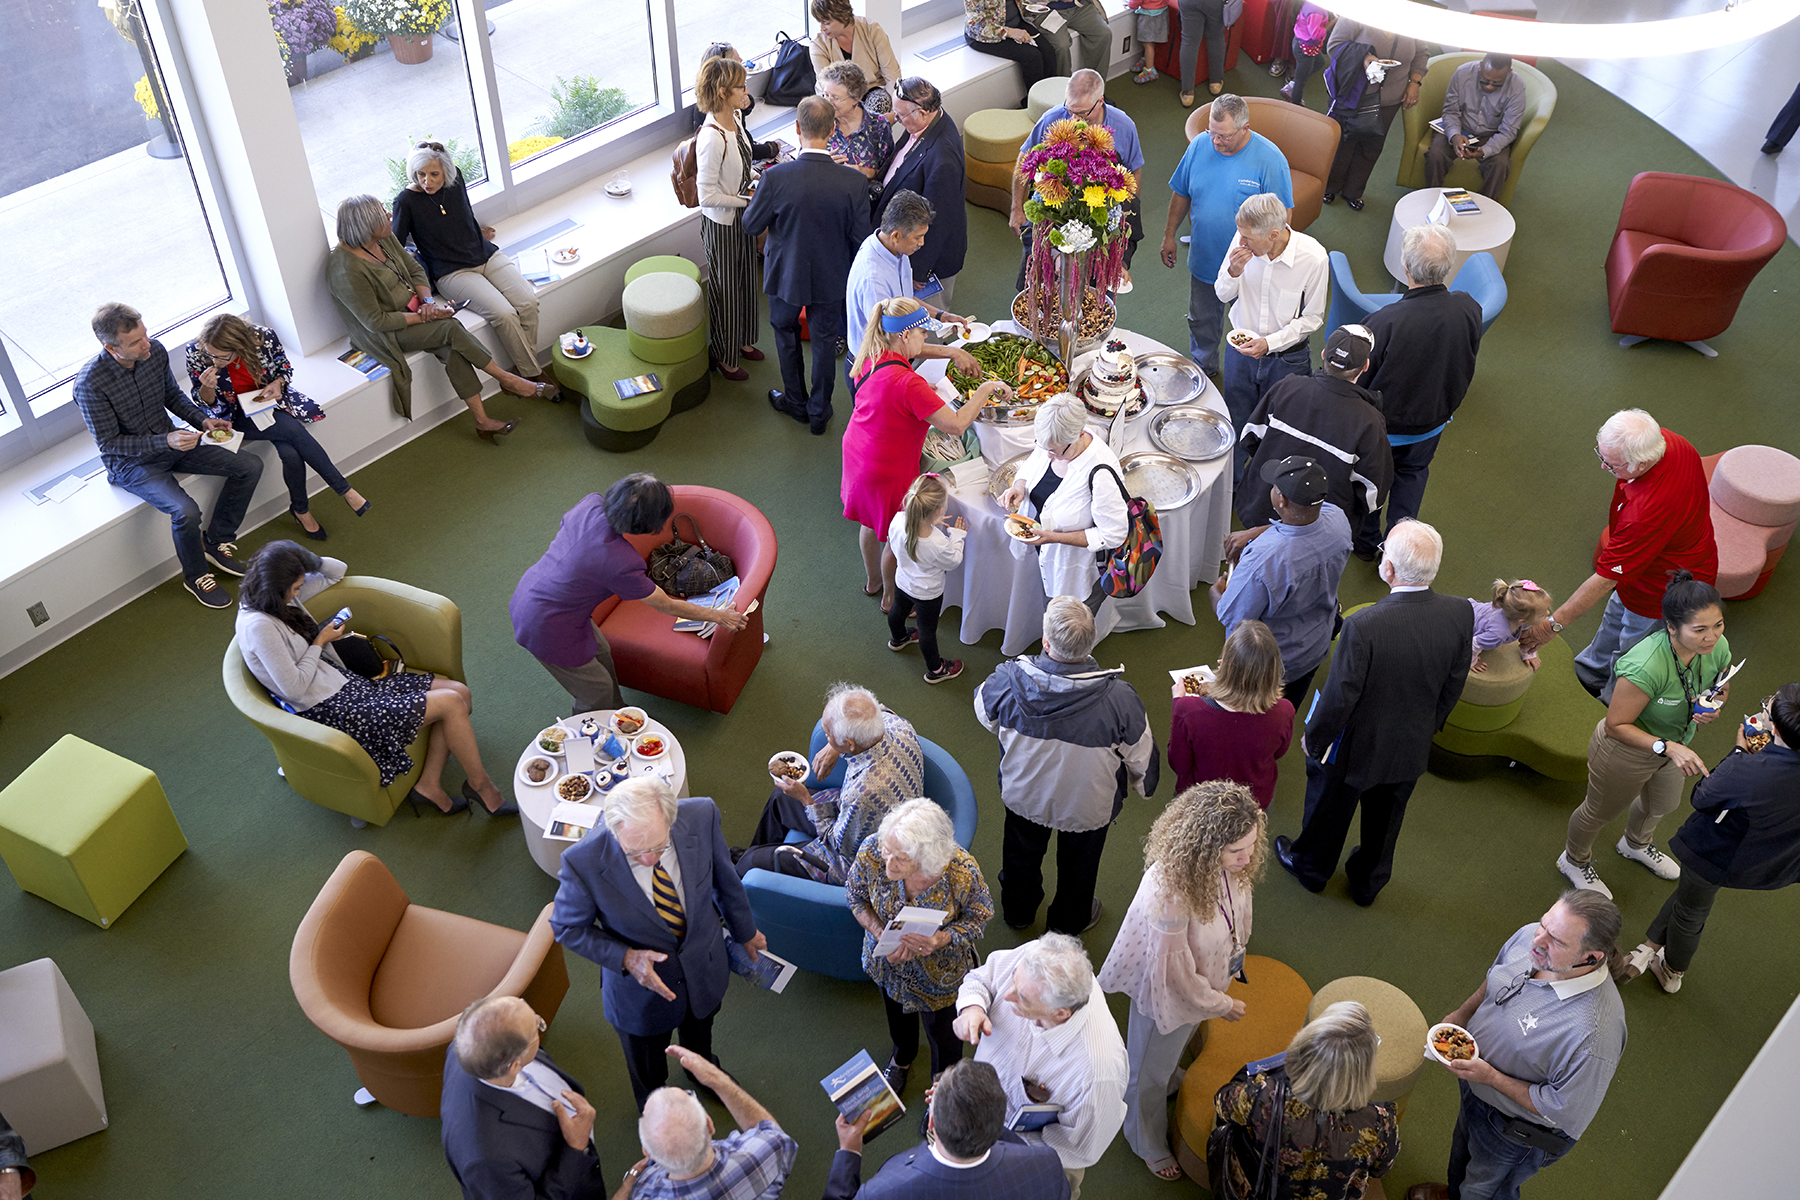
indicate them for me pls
(807, 922)
(1479, 276)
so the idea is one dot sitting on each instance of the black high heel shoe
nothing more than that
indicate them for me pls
(419, 801)
(366, 506)
(474, 800)
(317, 535)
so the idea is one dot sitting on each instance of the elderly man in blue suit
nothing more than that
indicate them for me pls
(929, 160)
(971, 1156)
(643, 896)
(817, 214)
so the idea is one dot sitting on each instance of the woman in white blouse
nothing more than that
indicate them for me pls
(1080, 513)
(722, 154)
(1181, 943)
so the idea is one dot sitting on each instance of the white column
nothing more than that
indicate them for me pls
(885, 13)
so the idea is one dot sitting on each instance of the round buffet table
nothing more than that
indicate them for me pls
(536, 800)
(1491, 229)
(996, 590)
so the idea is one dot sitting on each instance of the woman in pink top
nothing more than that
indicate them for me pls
(1240, 724)
(886, 434)
(1181, 944)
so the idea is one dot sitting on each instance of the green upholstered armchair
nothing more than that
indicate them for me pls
(1540, 102)
(322, 764)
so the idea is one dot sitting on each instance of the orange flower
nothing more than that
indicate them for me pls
(1100, 138)
(1063, 133)
(1052, 191)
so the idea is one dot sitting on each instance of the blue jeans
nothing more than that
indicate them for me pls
(1619, 628)
(153, 481)
(1485, 1164)
(1248, 379)
(1206, 324)
(1412, 469)
(298, 450)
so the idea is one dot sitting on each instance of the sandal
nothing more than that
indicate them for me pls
(1170, 1171)
(546, 391)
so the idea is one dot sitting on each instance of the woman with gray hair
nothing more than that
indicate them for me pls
(1063, 484)
(385, 302)
(862, 139)
(1316, 1103)
(460, 258)
(913, 860)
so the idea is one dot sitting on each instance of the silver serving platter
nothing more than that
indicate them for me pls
(1134, 404)
(1192, 432)
(1164, 480)
(1001, 477)
(1170, 378)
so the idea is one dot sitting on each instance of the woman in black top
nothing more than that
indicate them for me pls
(464, 265)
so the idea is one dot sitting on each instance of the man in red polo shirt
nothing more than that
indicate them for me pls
(1661, 520)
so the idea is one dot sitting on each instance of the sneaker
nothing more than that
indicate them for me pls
(1145, 75)
(1669, 981)
(207, 591)
(1660, 864)
(1582, 875)
(223, 555)
(950, 668)
(911, 639)
(1637, 962)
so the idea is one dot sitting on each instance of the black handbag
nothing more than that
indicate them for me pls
(1232, 1145)
(791, 80)
(682, 570)
(371, 655)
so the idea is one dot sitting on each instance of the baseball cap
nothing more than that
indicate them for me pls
(1348, 346)
(1299, 478)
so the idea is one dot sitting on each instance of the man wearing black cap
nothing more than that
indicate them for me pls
(1289, 579)
(1327, 417)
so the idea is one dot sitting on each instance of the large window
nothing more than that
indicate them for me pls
(749, 25)
(97, 193)
(555, 87)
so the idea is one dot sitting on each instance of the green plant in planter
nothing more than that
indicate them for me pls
(581, 104)
(467, 160)
(398, 18)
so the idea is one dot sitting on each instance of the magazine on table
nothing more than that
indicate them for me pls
(769, 971)
(859, 1087)
(911, 919)
(570, 821)
(1033, 1117)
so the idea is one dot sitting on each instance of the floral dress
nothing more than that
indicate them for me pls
(928, 983)
(1324, 1155)
(235, 378)
(870, 146)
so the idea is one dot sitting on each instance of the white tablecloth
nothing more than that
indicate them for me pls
(998, 591)
(536, 800)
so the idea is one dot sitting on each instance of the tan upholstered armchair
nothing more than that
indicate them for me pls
(1308, 139)
(322, 764)
(386, 978)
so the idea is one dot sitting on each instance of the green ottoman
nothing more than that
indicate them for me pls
(1046, 94)
(664, 305)
(618, 425)
(668, 350)
(663, 262)
(87, 830)
(994, 135)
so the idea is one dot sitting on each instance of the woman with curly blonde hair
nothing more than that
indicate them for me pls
(1181, 944)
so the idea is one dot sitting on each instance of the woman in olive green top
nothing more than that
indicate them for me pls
(1639, 753)
(373, 280)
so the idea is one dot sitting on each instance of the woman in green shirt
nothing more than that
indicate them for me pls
(1639, 755)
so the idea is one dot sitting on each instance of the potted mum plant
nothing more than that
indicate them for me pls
(408, 25)
(301, 26)
(352, 43)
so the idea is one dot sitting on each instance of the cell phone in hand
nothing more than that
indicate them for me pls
(342, 618)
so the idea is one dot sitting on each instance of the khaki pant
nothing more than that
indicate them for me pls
(1621, 776)
(1075, 1176)
(505, 298)
(594, 685)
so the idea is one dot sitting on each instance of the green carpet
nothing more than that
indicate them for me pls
(217, 1086)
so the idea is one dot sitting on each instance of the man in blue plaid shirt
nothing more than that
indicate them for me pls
(126, 395)
(685, 1162)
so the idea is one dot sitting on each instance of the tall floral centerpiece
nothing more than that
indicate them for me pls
(1079, 233)
(408, 25)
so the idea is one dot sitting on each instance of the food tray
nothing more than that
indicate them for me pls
(1001, 477)
(1192, 432)
(1164, 480)
(1170, 378)
(1017, 411)
(1085, 393)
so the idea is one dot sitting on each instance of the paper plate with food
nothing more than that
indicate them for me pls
(630, 721)
(1450, 1043)
(538, 770)
(788, 764)
(1193, 680)
(649, 747)
(1241, 337)
(1020, 526)
(577, 789)
(551, 740)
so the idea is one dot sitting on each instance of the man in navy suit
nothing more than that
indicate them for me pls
(817, 214)
(970, 1156)
(643, 897)
(514, 1123)
(929, 160)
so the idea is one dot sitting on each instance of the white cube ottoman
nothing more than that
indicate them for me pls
(49, 1071)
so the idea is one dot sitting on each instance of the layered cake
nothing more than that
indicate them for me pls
(1112, 380)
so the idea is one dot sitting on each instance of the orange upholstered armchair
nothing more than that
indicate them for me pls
(1308, 139)
(1684, 253)
(706, 673)
(386, 979)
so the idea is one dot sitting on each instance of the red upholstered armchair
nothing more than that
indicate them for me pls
(1685, 252)
(706, 673)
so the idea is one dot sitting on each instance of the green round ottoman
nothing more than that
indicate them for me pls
(1046, 94)
(614, 424)
(663, 304)
(1400, 1059)
(668, 350)
(662, 262)
(994, 135)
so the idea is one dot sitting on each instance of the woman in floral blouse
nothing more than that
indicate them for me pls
(913, 859)
(234, 359)
(862, 139)
(1332, 1138)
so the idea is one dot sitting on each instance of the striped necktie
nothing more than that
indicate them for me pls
(668, 901)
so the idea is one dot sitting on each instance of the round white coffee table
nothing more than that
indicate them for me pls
(1491, 229)
(536, 800)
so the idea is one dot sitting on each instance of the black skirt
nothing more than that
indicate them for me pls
(382, 715)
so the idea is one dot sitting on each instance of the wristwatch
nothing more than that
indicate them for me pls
(1658, 746)
(1555, 625)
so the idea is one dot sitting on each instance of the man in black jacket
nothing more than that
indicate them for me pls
(1397, 671)
(1420, 367)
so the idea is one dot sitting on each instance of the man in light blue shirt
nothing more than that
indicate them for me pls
(1216, 175)
(1084, 100)
(882, 270)
(1287, 577)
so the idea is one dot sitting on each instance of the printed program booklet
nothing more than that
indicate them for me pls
(366, 363)
(720, 597)
(1033, 1117)
(859, 1087)
(769, 971)
(637, 385)
(570, 821)
(911, 919)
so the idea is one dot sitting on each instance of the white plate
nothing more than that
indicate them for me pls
(793, 756)
(978, 332)
(565, 257)
(1204, 671)
(1431, 1050)
(549, 780)
(631, 710)
(537, 748)
(1008, 526)
(581, 799)
(618, 189)
(583, 354)
(1252, 334)
(659, 757)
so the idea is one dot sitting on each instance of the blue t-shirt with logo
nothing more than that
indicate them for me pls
(1216, 185)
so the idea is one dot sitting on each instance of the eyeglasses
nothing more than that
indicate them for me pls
(1615, 468)
(1488, 85)
(1514, 988)
(543, 1025)
(658, 851)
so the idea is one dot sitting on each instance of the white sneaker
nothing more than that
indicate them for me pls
(1637, 962)
(1669, 980)
(1660, 864)
(1582, 875)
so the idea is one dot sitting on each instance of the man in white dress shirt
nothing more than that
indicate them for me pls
(1278, 283)
(1036, 1014)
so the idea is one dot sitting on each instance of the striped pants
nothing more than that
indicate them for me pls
(730, 290)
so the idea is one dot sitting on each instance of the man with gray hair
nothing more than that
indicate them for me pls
(1396, 673)
(650, 896)
(685, 1161)
(882, 270)
(1660, 521)
(1073, 736)
(1084, 100)
(1420, 367)
(1038, 1016)
(883, 768)
(1278, 283)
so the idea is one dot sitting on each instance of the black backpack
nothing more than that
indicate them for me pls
(791, 80)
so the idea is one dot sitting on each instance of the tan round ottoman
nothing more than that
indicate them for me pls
(1046, 94)
(994, 135)
(663, 304)
(1401, 1026)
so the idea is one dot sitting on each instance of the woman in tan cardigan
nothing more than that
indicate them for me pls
(845, 37)
(373, 281)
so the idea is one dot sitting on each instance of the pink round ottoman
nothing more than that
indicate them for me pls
(1755, 507)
